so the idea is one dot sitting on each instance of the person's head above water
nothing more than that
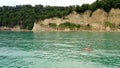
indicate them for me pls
(89, 45)
(87, 49)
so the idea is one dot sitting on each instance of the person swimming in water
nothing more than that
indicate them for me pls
(87, 49)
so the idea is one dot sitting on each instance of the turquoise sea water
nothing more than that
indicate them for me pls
(59, 50)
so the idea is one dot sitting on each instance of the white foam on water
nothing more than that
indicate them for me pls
(63, 45)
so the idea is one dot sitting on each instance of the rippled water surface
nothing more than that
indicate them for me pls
(59, 50)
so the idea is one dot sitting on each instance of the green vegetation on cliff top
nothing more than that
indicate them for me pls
(26, 15)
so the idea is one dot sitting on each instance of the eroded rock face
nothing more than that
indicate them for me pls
(96, 21)
(114, 16)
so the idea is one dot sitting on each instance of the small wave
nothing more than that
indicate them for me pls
(63, 45)
(107, 52)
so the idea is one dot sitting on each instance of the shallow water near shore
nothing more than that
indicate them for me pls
(59, 50)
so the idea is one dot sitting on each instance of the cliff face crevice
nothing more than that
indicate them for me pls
(96, 21)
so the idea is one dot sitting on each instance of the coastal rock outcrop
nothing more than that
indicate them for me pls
(96, 20)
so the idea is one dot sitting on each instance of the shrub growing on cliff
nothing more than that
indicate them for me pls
(77, 26)
(109, 24)
(53, 25)
(69, 25)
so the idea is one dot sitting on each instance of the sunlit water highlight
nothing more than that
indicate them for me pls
(59, 50)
